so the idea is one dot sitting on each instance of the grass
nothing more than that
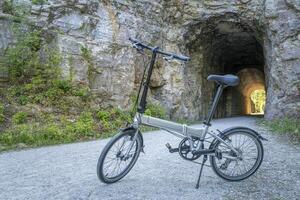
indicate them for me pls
(285, 126)
(48, 129)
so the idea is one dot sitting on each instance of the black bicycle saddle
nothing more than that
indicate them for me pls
(227, 80)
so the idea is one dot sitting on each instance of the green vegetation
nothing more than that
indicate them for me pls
(15, 8)
(39, 2)
(49, 130)
(1, 113)
(19, 117)
(35, 75)
(92, 70)
(155, 110)
(7, 6)
(285, 126)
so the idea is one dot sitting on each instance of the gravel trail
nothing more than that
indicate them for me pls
(69, 172)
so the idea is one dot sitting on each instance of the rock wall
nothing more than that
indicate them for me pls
(213, 33)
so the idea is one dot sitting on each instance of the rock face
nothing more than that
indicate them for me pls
(220, 36)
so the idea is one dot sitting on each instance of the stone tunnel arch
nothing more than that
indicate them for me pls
(225, 45)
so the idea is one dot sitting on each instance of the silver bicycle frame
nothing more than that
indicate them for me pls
(179, 130)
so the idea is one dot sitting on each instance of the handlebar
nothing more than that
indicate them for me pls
(155, 49)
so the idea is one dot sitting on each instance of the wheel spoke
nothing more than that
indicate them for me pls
(247, 147)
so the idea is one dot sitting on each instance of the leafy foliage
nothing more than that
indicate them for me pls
(92, 71)
(39, 2)
(35, 74)
(15, 8)
(112, 119)
(26, 64)
(1, 113)
(155, 110)
(7, 6)
(19, 117)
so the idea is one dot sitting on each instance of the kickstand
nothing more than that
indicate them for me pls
(202, 164)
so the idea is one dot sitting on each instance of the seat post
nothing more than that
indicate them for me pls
(214, 104)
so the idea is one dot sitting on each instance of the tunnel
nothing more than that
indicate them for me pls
(222, 46)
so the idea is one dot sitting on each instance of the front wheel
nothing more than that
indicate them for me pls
(119, 156)
(232, 167)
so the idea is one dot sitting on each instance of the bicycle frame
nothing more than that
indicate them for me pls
(179, 130)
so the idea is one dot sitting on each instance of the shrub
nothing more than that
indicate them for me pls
(155, 110)
(20, 134)
(1, 113)
(52, 132)
(64, 85)
(22, 100)
(23, 58)
(112, 118)
(19, 118)
(7, 6)
(103, 115)
(84, 126)
(80, 92)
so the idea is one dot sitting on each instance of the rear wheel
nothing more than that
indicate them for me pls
(119, 156)
(232, 167)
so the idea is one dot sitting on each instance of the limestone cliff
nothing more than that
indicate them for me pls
(220, 36)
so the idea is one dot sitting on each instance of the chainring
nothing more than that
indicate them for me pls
(184, 149)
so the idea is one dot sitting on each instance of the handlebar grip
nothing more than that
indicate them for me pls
(183, 58)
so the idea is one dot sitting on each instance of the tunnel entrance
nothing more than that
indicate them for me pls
(229, 47)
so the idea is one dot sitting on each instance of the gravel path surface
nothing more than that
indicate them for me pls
(69, 172)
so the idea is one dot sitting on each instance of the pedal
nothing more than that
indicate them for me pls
(171, 150)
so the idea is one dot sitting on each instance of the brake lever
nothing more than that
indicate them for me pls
(137, 47)
(171, 58)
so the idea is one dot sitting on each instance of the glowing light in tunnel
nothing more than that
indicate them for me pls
(252, 88)
(258, 101)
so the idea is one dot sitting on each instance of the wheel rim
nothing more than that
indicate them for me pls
(115, 162)
(248, 147)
